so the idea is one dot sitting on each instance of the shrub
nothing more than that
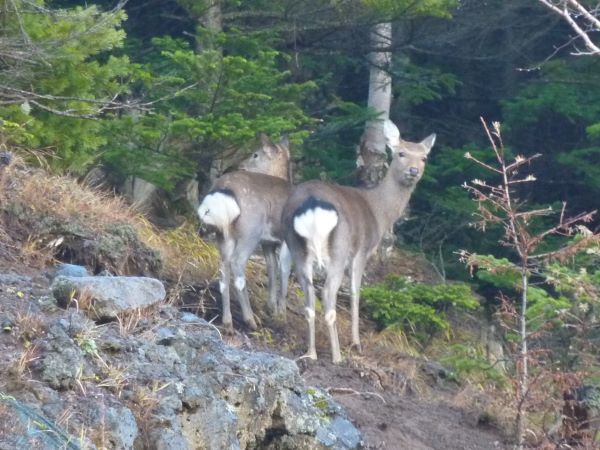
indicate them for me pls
(422, 308)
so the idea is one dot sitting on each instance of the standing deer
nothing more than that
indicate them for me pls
(339, 227)
(245, 208)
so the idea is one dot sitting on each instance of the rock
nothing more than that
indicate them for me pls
(23, 426)
(108, 296)
(71, 270)
(121, 427)
(12, 279)
(62, 361)
(5, 158)
(340, 433)
(178, 386)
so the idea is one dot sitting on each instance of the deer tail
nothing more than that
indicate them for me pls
(220, 209)
(314, 220)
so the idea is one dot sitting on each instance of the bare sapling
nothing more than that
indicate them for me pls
(498, 204)
(245, 209)
(339, 227)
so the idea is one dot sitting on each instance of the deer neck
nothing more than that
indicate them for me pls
(388, 201)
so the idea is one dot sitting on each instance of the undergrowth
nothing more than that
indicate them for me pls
(416, 307)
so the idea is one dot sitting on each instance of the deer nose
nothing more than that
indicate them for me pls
(413, 171)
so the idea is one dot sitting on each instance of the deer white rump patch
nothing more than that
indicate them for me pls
(314, 225)
(219, 209)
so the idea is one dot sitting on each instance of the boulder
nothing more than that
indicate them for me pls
(71, 270)
(106, 297)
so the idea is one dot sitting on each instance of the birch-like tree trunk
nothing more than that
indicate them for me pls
(372, 157)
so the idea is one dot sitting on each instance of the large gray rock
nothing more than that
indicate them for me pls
(106, 297)
(71, 270)
(233, 399)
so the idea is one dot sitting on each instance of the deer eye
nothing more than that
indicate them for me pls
(424, 159)
(255, 155)
(401, 154)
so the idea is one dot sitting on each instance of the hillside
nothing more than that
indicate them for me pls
(395, 400)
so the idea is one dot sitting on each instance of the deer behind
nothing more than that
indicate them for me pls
(339, 227)
(245, 208)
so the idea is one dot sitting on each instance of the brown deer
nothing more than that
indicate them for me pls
(245, 208)
(339, 227)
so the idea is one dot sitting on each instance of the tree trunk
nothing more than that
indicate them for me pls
(212, 20)
(372, 157)
(523, 370)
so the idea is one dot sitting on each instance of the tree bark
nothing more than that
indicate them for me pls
(372, 156)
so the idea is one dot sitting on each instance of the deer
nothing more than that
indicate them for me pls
(339, 227)
(245, 207)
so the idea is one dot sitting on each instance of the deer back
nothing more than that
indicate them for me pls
(260, 199)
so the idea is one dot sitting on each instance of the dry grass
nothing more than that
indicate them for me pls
(29, 326)
(115, 379)
(187, 258)
(143, 404)
(61, 197)
(33, 201)
(19, 369)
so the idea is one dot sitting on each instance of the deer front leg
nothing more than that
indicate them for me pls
(330, 290)
(271, 261)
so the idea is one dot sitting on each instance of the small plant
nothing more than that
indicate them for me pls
(20, 367)
(115, 379)
(418, 307)
(471, 362)
(498, 204)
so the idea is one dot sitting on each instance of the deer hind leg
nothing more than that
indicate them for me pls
(304, 273)
(358, 268)
(269, 250)
(335, 273)
(226, 247)
(238, 267)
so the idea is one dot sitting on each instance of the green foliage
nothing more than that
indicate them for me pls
(554, 96)
(330, 152)
(418, 307)
(397, 8)
(416, 84)
(73, 42)
(557, 113)
(470, 362)
(223, 97)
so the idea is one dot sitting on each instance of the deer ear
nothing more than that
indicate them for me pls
(266, 144)
(264, 139)
(391, 134)
(428, 142)
(285, 141)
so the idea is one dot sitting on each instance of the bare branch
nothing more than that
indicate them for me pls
(571, 10)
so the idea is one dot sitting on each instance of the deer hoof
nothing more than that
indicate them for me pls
(252, 324)
(356, 348)
(310, 355)
(228, 329)
(336, 359)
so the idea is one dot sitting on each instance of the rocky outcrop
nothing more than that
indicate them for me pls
(165, 380)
